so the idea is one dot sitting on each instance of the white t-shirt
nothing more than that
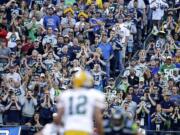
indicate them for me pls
(158, 13)
(140, 68)
(52, 94)
(50, 39)
(97, 77)
(132, 30)
(124, 33)
(78, 23)
(79, 107)
(66, 23)
(140, 5)
(15, 76)
(12, 37)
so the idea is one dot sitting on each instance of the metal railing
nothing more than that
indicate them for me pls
(25, 130)
(161, 132)
(29, 130)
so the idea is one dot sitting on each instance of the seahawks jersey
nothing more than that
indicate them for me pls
(128, 128)
(79, 106)
(50, 39)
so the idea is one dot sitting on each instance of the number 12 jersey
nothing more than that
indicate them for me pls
(79, 107)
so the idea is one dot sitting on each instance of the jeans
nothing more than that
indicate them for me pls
(121, 64)
(107, 69)
(118, 61)
(26, 119)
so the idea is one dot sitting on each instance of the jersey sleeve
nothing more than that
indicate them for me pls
(99, 99)
(61, 101)
(45, 130)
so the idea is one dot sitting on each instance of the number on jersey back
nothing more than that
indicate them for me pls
(79, 107)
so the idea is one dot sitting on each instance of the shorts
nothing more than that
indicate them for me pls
(75, 132)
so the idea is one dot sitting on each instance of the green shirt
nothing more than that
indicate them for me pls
(57, 92)
(165, 68)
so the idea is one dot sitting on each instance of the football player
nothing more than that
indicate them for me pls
(80, 106)
(119, 124)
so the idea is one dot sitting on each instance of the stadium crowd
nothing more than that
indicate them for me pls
(131, 47)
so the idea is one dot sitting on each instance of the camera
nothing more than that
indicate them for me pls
(162, 7)
(28, 96)
(39, 60)
(146, 90)
(13, 99)
(11, 92)
(143, 99)
(11, 80)
(2, 88)
(176, 110)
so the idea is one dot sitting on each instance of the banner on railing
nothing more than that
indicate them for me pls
(10, 131)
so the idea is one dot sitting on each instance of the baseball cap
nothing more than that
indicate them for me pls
(171, 79)
(51, 7)
(168, 57)
(12, 53)
(56, 29)
(48, 43)
(42, 75)
(111, 79)
(66, 36)
(170, 13)
(13, 1)
(18, 39)
(54, 114)
(108, 87)
(162, 32)
(123, 76)
(36, 40)
(141, 79)
(11, 66)
(136, 86)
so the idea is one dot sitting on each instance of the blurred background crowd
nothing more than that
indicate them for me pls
(131, 47)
